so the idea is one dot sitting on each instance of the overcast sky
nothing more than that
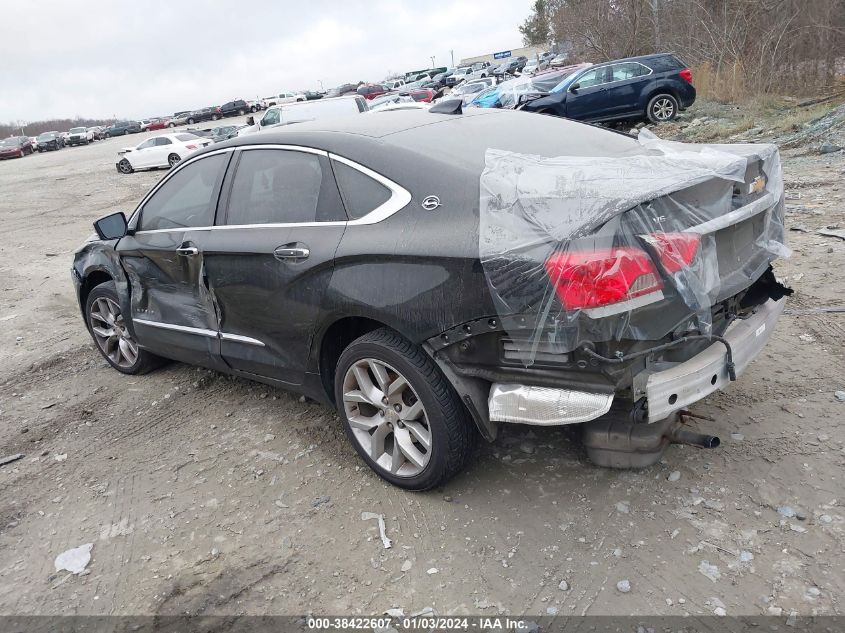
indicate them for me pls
(61, 58)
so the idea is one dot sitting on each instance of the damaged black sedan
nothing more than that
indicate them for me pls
(434, 275)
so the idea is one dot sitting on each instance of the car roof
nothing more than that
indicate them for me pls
(398, 141)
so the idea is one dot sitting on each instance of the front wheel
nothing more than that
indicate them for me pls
(108, 329)
(241, 112)
(125, 167)
(214, 117)
(662, 108)
(171, 125)
(400, 413)
(173, 159)
(190, 121)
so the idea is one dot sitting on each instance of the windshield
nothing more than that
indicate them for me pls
(9, 142)
(563, 85)
(46, 136)
(77, 130)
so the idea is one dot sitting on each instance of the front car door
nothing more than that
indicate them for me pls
(586, 100)
(270, 258)
(141, 154)
(172, 310)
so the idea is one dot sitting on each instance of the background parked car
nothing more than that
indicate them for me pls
(307, 111)
(285, 97)
(98, 132)
(371, 91)
(343, 89)
(15, 147)
(49, 141)
(512, 66)
(393, 84)
(80, 136)
(312, 95)
(535, 65)
(179, 118)
(238, 107)
(655, 87)
(225, 132)
(212, 113)
(120, 128)
(160, 151)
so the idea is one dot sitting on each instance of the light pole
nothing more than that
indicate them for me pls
(320, 81)
(452, 53)
(432, 61)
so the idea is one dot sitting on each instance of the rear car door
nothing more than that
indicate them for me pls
(172, 309)
(622, 93)
(270, 258)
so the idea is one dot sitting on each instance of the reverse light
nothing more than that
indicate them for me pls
(686, 75)
(675, 250)
(602, 277)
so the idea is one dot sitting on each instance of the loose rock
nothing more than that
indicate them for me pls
(623, 586)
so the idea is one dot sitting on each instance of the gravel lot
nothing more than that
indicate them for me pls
(207, 494)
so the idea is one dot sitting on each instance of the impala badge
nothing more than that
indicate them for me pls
(430, 203)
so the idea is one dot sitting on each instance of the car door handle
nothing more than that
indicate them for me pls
(284, 252)
(187, 251)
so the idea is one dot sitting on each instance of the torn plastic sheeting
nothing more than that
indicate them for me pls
(651, 239)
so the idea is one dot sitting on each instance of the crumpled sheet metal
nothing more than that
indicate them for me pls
(539, 214)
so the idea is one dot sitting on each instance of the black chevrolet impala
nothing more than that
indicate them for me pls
(340, 259)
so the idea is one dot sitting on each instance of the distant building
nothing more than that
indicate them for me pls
(498, 56)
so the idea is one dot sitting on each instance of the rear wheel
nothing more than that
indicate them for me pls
(241, 112)
(125, 167)
(400, 413)
(173, 159)
(171, 125)
(190, 121)
(125, 132)
(108, 329)
(214, 117)
(662, 108)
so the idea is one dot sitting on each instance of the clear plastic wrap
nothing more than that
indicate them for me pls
(592, 249)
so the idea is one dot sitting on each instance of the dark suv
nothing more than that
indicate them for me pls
(238, 107)
(123, 127)
(511, 66)
(655, 87)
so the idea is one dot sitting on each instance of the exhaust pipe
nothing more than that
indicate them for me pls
(681, 435)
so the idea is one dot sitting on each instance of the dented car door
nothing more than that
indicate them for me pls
(172, 308)
(270, 258)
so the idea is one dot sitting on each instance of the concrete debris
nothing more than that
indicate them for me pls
(60, 457)
(622, 507)
(432, 570)
(395, 613)
(529, 448)
(840, 234)
(563, 585)
(10, 458)
(720, 611)
(839, 395)
(320, 501)
(829, 148)
(737, 437)
(786, 511)
(675, 475)
(406, 566)
(775, 611)
(551, 610)
(382, 530)
(74, 560)
(623, 586)
(709, 570)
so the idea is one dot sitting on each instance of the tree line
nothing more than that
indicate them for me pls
(19, 128)
(740, 46)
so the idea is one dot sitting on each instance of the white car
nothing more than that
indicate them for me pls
(307, 111)
(393, 84)
(80, 136)
(463, 73)
(160, 151)
(534, 66)
(285, 97)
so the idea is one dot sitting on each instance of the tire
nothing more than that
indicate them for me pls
(125, 167)
(125, 132)
(252, 109)
(451, 433)
(214, 117)
(119, 349)
(662, 108)
(173, 159)
(171, 125)
(241, 112)
(191, 121)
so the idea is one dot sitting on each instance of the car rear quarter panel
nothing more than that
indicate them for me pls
(417, 271)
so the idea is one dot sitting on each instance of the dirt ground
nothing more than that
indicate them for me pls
(212, 495)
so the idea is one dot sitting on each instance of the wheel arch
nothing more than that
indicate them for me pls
(657, 89)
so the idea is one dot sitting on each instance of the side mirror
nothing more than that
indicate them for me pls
(574, 87)
(111, 227)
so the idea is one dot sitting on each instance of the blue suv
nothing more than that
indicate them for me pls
(655, 87)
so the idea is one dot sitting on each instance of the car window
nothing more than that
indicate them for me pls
(275, 186)
(186, 199)
(589, 78)
(627, 70)
(162, 140)
(361, 194)
(146, 144)
(271, 117)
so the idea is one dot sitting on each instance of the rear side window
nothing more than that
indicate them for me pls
(186, 199)
(361, 194)
(274, 186)
(628, 70)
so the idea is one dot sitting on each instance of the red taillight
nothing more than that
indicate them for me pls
(191, 146)
(602, 277)
(686, 75)
(675, 250)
